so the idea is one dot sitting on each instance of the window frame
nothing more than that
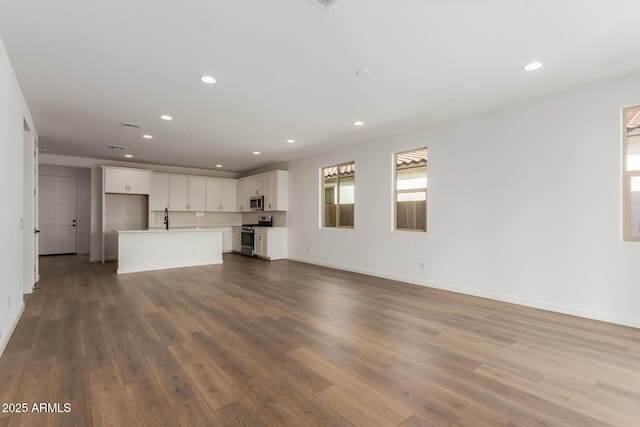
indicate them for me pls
(627, 176)
(412, 190)
(336, 196)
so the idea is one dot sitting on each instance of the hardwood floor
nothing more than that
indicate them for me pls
(256, 343)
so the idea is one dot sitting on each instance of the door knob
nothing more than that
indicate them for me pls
(35, 230)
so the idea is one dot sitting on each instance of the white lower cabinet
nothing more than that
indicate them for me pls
(260, 243)
(227, 240)
(270, 242)
(236, 243)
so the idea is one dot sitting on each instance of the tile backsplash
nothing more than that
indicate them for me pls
(279, 218)
(213, 219)
(195, 219)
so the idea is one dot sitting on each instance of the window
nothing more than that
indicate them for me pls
(410, 198)
(631, 173)
(338, 184)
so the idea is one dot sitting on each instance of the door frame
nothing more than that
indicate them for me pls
(29, 211)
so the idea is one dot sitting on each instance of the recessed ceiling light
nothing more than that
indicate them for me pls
(358, 123)
(166, 117)
(291, 141)
(218, 166)
(532, 66)
(363, 72)
(208, 80)
(256, 152)
(128, 156)
(147, 136)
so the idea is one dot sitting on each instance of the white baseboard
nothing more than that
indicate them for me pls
(6, 337)
(543, 305)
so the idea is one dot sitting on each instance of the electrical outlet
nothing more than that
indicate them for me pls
(0, 334)
(422, 265)
(307, 249)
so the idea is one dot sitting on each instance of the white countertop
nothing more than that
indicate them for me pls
(172, 230)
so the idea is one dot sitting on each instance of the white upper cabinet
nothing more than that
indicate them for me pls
(128, 181)
(222, 195)
(271, 185)
(187, 193)
(139, 182)
(116, 180)
(197, 193)
(229, 195)
(159, 192)
(244, 192)
(258, 185)
(214, 195)
(275, 190)
(178, 193)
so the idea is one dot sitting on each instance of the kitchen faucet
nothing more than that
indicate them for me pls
(166, 218)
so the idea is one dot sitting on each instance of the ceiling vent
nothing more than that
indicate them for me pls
(116, 147)
(130, 125)
(325, 4)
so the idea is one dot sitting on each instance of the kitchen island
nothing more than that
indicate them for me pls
(158, 249)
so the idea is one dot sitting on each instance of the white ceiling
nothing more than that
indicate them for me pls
(287, 69)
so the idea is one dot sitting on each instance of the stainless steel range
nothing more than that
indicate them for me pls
(247, 237)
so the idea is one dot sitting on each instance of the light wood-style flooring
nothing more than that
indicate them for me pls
(257, 343)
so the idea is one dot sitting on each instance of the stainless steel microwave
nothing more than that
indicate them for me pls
(256, 203)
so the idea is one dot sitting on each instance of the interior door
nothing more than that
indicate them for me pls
(57, 210)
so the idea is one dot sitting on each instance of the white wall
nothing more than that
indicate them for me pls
(524, 205)
(13, 114)
(83, 176)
